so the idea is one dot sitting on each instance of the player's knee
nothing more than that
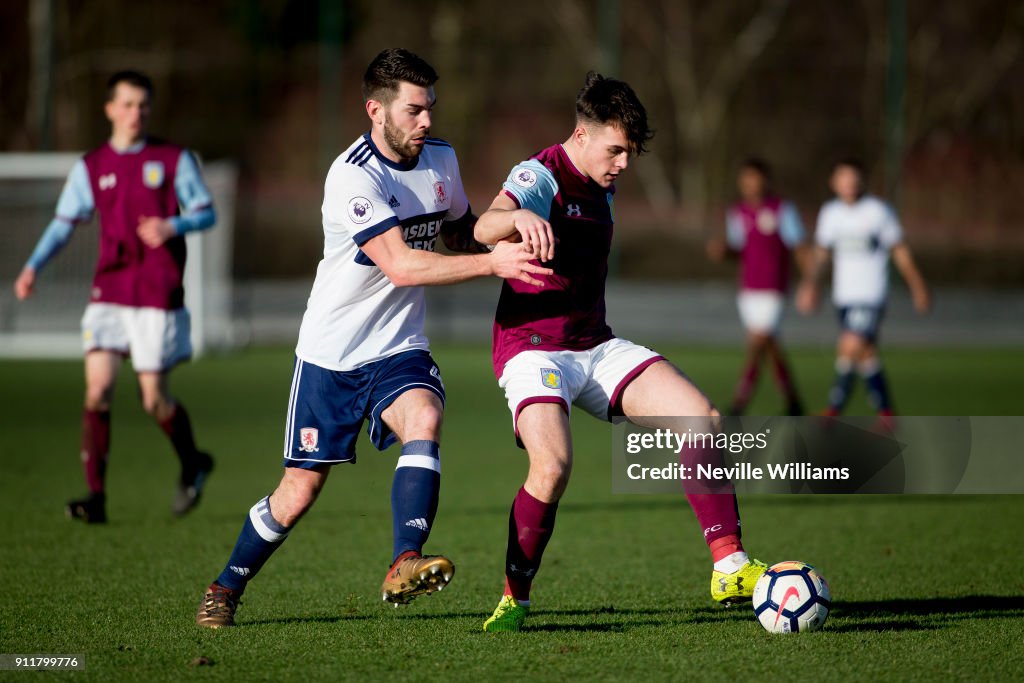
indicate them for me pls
(156, 405)
(99, 398)
(423, 423)
(550, 479)
(759, 341)
(429, 419)
(714, 419)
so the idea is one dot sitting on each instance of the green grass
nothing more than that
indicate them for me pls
(925, 587)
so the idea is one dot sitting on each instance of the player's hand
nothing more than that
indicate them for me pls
(154, 231)
(25, 283)
(922, 300)
(807, 298)
(512, 261)
(716, 250)
(535, 233)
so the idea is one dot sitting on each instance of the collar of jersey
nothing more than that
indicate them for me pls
(387, 162)
(131, 149)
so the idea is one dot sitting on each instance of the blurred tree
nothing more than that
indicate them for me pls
(702, 55)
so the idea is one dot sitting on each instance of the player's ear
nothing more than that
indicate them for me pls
(375, 110)
(580, 135)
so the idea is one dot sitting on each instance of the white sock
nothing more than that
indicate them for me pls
(731, 563)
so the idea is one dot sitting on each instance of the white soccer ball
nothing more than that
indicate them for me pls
(791, 597)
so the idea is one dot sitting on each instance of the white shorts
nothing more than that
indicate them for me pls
(593, 379)
(156, 339)
(761, 310)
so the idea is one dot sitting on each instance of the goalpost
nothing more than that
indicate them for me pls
(47, 324)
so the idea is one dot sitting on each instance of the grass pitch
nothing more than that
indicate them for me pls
(925, 587)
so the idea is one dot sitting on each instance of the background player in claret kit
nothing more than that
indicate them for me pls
(362, 354)
(553, 348)
(765, 232)
(859, 231)
(148, 194)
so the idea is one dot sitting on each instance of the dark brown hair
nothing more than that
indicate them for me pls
(606, 101)
(136, 78)
(758, 165)
(392, 67)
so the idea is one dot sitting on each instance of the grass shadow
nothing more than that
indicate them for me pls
(889, 626)
(964, 607)
(315, 619)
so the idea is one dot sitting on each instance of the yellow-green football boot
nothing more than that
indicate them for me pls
(509, 615)
(730, 589)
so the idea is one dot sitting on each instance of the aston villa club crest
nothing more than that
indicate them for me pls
(440, 193)
(308, 439)
(153, 174)
(551, 378)
(767, 223)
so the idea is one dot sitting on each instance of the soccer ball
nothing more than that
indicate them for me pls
(791, 597)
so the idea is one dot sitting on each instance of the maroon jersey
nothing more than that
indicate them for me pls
(764, 235)
(124, 187)
(568, 312)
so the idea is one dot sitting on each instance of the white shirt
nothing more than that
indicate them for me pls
(355, 315)
(860, 236)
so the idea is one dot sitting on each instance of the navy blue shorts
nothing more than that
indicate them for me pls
(864, 321)
(326, 408)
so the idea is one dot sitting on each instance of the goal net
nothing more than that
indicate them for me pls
(47, 324)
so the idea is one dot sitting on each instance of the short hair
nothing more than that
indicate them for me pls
(851, 162)
(136, 78)
(607, 101)
(758, 165)
(392, 67)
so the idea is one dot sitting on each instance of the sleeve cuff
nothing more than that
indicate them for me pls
(514, 198)
(364, 236)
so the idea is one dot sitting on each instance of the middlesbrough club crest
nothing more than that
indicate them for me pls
(440, 193)
(308, 438)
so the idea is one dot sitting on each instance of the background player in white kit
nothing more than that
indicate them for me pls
(860, 232)
(362, 354)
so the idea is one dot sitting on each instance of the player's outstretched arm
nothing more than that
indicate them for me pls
(504, 220)
(25, 283)
(904, 261)
(807, 294)
(74, 206)
(407, 267)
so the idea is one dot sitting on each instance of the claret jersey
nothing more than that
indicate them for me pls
(568, 312)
